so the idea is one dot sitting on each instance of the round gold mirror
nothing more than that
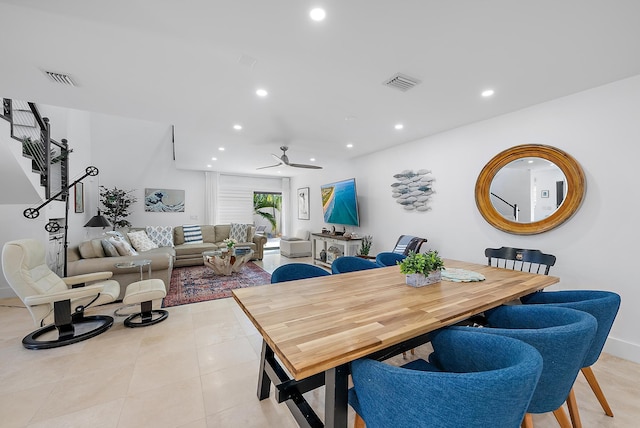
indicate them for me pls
(530, 189)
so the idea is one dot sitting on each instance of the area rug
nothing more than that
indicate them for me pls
(194, 284)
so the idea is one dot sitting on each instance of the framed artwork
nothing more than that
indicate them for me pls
(303, 203)
(164, 200)
(544, 194)
(79, 197)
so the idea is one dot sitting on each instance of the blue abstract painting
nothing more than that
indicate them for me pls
(164, 200)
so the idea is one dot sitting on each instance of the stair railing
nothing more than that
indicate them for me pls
(49, 158)
(514, 207)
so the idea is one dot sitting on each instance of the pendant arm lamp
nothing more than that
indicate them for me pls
(98, 221)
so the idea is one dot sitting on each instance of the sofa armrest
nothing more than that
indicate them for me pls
(260, 241)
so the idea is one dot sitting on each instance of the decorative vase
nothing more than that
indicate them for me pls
(420, 280)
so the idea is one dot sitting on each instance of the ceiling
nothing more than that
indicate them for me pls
(197, 64)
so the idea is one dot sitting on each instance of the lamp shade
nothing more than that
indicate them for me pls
(98, 221)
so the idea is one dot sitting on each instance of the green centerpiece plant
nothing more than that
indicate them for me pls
(422, 268)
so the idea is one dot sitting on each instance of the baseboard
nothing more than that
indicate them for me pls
(7, 292)
(622, 349)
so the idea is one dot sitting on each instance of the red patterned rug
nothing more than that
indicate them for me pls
(194, 284)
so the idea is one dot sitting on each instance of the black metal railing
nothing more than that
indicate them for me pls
(514, 207)
(49, 158)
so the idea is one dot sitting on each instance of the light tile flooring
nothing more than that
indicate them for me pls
(196, 369)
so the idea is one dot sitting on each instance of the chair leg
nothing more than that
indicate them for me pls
(595, 386)
(574, 414)
(562, 418)
(358, 422)
(527, 422)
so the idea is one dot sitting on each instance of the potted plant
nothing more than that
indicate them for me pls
(116, 203)
(422, 268)
(365, 245)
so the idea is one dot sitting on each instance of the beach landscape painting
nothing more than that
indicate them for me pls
(340, 203)
(163, 200)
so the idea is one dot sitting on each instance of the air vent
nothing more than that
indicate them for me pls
(63, 79)
(401, 82)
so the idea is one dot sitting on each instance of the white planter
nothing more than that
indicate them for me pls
(420, 280)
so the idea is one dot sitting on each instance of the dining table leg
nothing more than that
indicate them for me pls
(264, 383)
(336, 396)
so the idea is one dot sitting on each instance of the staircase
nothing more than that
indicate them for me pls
(49, 158)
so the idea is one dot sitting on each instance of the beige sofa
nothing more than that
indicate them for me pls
(89, 256)
(213, 237)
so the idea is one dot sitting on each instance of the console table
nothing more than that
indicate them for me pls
(323, 241)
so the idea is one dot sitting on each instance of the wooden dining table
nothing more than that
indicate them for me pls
(317, 326)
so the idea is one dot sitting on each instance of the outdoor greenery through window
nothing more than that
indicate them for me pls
(267, 208)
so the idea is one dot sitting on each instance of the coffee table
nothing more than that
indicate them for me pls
(225, 262)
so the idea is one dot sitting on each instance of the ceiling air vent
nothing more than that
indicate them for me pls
(401, 82)
(63, 79)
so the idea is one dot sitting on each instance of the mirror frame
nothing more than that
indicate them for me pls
(576, 187)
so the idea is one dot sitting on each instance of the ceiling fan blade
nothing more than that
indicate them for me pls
(300, 165)
(270, 166)
(278, 158)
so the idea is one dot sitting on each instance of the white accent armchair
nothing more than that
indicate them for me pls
(50, 298)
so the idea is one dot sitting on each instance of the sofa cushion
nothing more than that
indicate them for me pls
(141, 241)
(123, 247)
(239, 232)
(161, 235)
(192, 234)
(91, 249)
(109, 248)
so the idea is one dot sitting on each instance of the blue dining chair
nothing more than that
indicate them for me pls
(563, 337)
(603, 305)
(351, 264)
(294, 271)
(485, 381)
(389, 259)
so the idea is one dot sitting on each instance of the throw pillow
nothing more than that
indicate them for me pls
(109, 249)
(122, 246)
(161, 235)
(239, 232)
(192, 234)
(141, 241)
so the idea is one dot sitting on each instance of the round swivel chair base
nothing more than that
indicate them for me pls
(104, 323)
(146, 318)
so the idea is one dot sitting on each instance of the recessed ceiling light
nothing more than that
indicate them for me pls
(529, 161)
(312, 159)
(214, 158)
(208, 166)
(399, 126)
(237, 127)
(349, 145)
(317, 14)
(221, 149)
(262, 93)
(488, 92)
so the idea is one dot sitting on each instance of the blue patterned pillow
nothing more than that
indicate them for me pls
(161, 235)
(192, 234)
(239, 232)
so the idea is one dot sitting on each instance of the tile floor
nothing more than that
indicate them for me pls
(196, 369)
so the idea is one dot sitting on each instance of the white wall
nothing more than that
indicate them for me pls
(596, 249)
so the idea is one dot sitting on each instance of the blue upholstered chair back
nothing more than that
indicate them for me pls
(561, 335)
(603, 305)
(351, 264)
(389, 258)
(294, 271)
(488, 382)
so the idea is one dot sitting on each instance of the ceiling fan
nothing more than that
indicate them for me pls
(284, 160)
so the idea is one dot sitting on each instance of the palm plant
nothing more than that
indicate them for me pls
(262, 201)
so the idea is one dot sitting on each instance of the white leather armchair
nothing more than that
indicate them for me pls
(51, 298)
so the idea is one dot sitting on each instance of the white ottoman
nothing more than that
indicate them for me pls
(295, 247)
(145, 292)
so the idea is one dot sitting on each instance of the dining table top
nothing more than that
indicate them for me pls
(317, 324)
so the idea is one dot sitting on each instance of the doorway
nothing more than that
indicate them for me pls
(267, 216)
